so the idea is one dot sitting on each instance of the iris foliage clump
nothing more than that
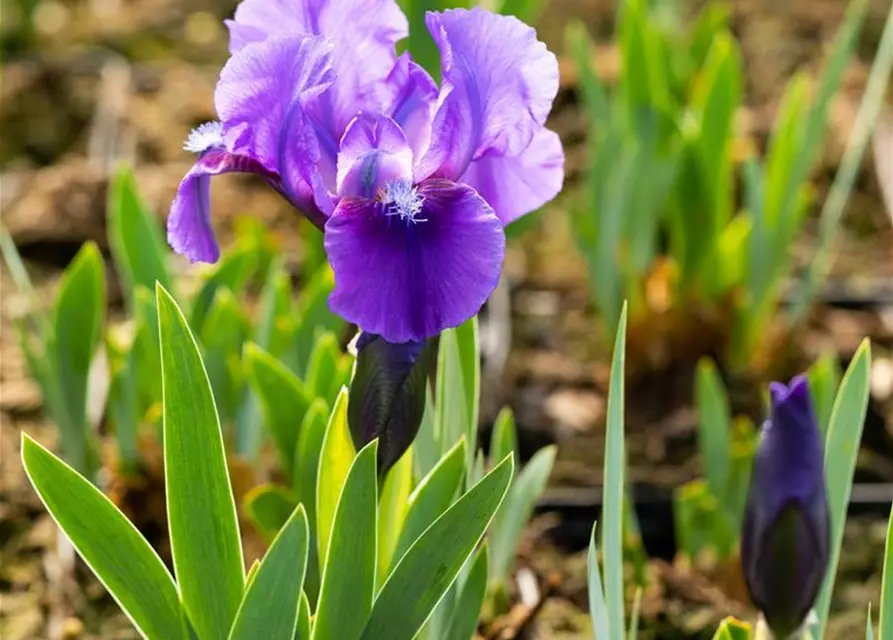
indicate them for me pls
(384, 517)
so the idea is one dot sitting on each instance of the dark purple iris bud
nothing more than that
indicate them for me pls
(785, 538)
(388, 393)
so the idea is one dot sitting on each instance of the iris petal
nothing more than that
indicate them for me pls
(262, 97)
(499, 82)
(363, 33)
(409, 97)
(189, 230)
(408, 280)
(374, 152)
(518, 185)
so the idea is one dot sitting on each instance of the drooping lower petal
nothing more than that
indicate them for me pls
(374, 151)
(409, 96)
(407, 275)
(189, 230)
(518, 185)
(363, 32)
(262, 97)
(499, 82)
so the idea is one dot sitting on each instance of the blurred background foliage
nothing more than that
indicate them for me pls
(687, 125)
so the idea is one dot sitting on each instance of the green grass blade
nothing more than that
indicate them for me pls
(850, 164)
(392, 508)
(869, 629)
(452, 416)
(505, 436)
(111, 546)
(304, 630)
(525, 10)
(809, 144)
(714, 427)
(598, 608)
(468, 344)
(841, 449)
(732, 629)
(135, 239)
(467, 611)
(430, 566)
(78, 316)
(433, 495)
(19, 274)
(269, 609)
(307, 456)
(222, 336)
(633, 633)
(348, 577)
(336, 456)
(885, 624)
(613, 490)
(283, 400)
(824, 378)
(204, 531)
(269, 507)
(232, 272)
(513, 515)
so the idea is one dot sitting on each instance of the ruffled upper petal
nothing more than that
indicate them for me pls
(374, 152)
(409, 96)
(499, 82)
(518, 185)
(363, 32)
(407, 278)
(262, 97)
(189, 230)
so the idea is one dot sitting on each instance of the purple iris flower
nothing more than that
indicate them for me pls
(411, 183)
(785, 540)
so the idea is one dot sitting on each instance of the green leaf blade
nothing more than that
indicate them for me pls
(467, 611)
(348, 578)
(843, 439)
(598, 608)
(338, 453)
(513, 515)
(614, 489)
(430, 566)
(135, 238)
(283, 400)
(204, 531)
(78, 316)
(115, 551)
(714, 426)
(431, 498)
(270, 606)
(885, 623)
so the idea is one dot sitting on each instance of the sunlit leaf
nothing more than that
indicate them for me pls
(392, 508)
(270, 606)
(204, 531)
(433, 495)
(467, 611)
(841, 449)
(431, 565)
(338, 453)
(283, 400)
(135, 238)
(515, 512)
(111, 546)
(613, 490)
(269, 507)
(348, 576)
